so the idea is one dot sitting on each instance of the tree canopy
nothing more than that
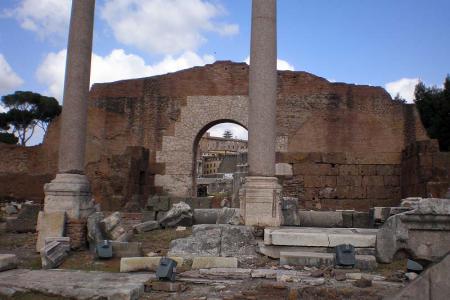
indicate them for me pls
(433, 105)
(26, 110)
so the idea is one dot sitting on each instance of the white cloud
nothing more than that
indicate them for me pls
(44, 17)
(281, 64)
(165, 26)
(117, 65)
(404, 87)
(9, 80)
(237, 130)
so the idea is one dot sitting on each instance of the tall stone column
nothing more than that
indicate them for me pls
(70, 190)
(260, 203)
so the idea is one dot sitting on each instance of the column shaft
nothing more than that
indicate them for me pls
(76, 88)
(263, 89)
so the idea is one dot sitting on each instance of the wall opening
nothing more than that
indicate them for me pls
(219, 157)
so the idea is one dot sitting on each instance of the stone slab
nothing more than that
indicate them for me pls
(229, 273)
(214, 262)
(274, 251)
(135, 264)
(315, 259)
(321, 237)
(50, 224)
(8, 262)
(77, 284)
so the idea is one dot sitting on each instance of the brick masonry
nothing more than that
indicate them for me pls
(344, 141)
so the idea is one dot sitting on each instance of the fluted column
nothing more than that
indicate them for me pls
(76, 88)
(263, 89)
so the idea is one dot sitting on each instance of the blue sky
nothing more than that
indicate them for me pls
(389, 43)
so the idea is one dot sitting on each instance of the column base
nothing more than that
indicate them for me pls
(261, 202)
(70, 193)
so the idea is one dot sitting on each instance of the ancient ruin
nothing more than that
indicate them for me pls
(328, 166)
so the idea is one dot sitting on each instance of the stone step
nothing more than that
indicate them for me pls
(273, 251)
(316, 259)
(320, 237)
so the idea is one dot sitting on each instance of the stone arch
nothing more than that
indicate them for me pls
(177, 151)
(197, 140)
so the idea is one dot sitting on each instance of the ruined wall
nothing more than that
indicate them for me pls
(25, 170)
(166, 115)
(425, 170)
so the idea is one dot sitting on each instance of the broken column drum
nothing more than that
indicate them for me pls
(260, 197)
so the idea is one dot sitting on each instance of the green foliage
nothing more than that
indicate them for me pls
(433, 105)
(228, 134)
(8, 138)
(399, 99)
(26, 110)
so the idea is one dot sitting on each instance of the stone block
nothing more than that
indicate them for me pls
(349, 180)
(312, 181)
(290, 238)
(315, 259)
(261, 201)
(146, 226)
(94, 233)
(8, 262)
(25, 221)
(348, 170)
(361, 220)
(55, 252)
(205, 241)
(385, 170)
(205, 216)
(366, 262)
(431, 284)
(214, 262)
(422, 232)
(126, 249)
(347, 218)
(136, 264)
(391, 180)
(179, 215)
(310, 259)
(237, 241)
(329, 181)
(165, 286)
(367, 170)
(372, 181)
(50, 224)
(320, 219)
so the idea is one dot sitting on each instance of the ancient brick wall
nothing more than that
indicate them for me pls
(327, 181)
(166, 115)
(425, 170)
(25, 170)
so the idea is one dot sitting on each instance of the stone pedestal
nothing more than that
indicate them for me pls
(261, 202)
(69, 193)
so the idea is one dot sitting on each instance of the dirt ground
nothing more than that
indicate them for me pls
(23, 245)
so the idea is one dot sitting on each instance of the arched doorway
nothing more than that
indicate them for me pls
(196, 117)
(219, 157)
